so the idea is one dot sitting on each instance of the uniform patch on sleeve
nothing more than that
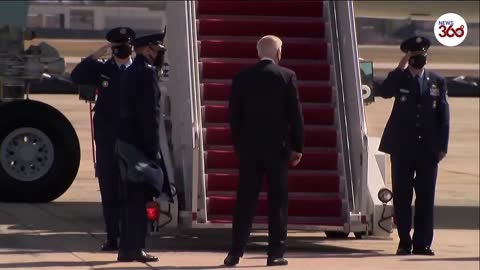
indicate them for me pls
(434, 91)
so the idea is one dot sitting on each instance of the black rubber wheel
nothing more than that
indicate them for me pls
(39, 152)
(336, 235)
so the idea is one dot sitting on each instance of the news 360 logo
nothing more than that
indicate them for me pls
(450, 29)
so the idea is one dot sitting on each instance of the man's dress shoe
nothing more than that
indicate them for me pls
(109, 245)
(423, 251)
(272, 261)
(139, 257)
(231, 260)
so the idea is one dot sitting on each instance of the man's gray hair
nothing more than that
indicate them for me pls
(268, 45)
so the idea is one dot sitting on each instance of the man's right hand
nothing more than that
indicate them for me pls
(101, 51)
(295, 158)
(404, 61)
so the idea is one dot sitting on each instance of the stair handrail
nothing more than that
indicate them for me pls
(340, 100)
(199, 172)
(187, 136)
(353, 106)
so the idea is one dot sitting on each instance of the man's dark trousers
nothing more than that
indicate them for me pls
(416, 172)
(108, 179)
(134, 218)
(253, 168)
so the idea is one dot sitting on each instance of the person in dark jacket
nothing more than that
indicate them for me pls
(266, 140)
(416, 137)
(106, 76)
(140, 122)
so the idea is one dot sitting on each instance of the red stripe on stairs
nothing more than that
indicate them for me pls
(258, 27)
(305, 207)
(247, 49)
(312, 116)
(314, 137)
(226, 70)
(312, 183)
(262, 8)
(311, 160)
(308, 93)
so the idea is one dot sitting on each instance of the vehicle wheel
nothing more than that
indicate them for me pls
(39, 152)
(336, 235)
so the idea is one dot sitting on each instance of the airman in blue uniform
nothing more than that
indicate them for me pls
(140, 122)
(416, 137)
(106, 76)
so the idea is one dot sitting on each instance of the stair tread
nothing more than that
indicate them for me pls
(259, 18)
(227, 70)
(255, 38)
(252, 60)
(290, 172)
(319, 185)
(306, 126)
(297, 206)
(312, 160)
(305, 105)
(303, 8)
(299, 82)
(264, 197)
(256, 27)
(307, 150)
(312, 114)
(247, 49)
(293, 220)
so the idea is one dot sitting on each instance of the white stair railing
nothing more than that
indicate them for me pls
(187, 138)
(350, 101)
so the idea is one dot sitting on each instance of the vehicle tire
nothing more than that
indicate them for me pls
(39, 152)
(336, 235)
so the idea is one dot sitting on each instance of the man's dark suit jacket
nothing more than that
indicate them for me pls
(265, 112)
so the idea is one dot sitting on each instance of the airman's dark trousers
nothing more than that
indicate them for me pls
(133, 217)
(417, 172)
(108, 180)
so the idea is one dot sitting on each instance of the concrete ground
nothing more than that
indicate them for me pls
(66, 234)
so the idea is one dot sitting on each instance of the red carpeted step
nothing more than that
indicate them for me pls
(259, 27)
(318, 182)
(311, 160)
(320, 93)
(297, 206)
(247, 49)
(319, 115)
(314, 221)
(314, 136)
(227, 70)
(262, 8)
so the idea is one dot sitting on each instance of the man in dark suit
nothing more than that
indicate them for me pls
(140, 121)
(416, 137)
(106, 76)
(267, 130)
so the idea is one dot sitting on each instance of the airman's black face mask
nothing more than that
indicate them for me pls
(122, 51)
(418, 61)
